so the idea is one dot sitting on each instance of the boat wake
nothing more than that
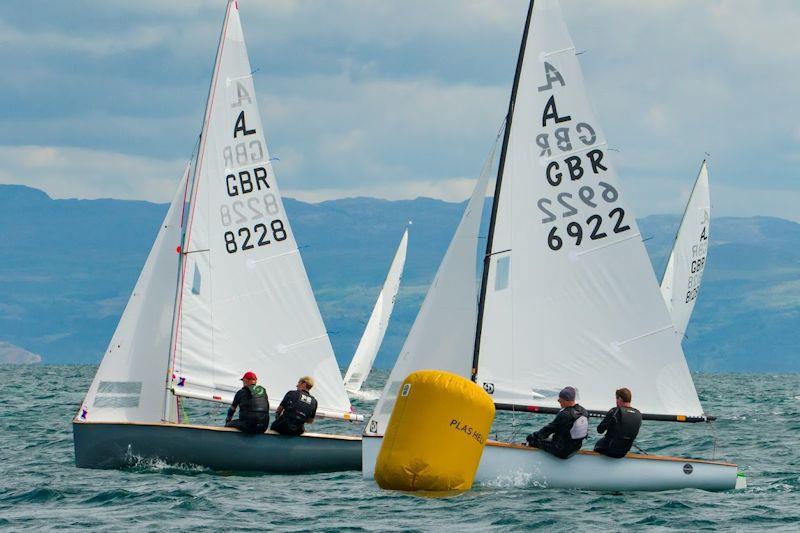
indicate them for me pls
(518, 478)
(368, 395)
(137, 463)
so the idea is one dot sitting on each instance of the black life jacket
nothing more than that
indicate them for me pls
(580, 423)
(569, 439)
(300, 407)
(620, 439)
(255, 405)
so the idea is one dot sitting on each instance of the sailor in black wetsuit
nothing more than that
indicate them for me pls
(253, 405)
(568, 429)
(621, 426)
(297, 408)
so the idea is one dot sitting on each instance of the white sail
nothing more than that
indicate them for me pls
(245, 303)
(684, 273)
(129, 383)
(372, 338)
(443, 333)
(571, 297)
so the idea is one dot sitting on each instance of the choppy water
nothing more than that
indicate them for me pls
(40, 488)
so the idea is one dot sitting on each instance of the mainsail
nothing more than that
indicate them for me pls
(569, 296)
(441, 336)
(245, 302)
(372, 338)
(129, 383)
(687, 261)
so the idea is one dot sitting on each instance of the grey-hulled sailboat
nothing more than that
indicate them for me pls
(235, 297)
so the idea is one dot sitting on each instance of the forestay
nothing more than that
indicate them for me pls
(687, 261)
(129, 383)
(245, 300)
(373, 335)
(570, 296)
(443, 332)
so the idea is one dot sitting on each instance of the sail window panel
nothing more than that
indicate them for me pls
(196, 280)
(116, 401)
(502, 273)
(120, 387)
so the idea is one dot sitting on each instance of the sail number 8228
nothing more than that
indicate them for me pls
(247, 238)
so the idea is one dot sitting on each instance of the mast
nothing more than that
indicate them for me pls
(192, 195)
(488, 256)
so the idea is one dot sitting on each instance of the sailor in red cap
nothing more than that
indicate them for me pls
(253, 405)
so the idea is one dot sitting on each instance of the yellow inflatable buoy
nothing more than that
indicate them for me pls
(436, 434)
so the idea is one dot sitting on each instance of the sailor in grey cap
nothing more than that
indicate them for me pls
(564, 435)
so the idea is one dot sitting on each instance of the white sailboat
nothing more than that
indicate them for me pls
(371, 340)
(235, 298)
(683, 274)
(568, 295)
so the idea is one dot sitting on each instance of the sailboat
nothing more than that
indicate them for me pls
(568, 295)
(223, 291)
(683, 274)
(372, 338)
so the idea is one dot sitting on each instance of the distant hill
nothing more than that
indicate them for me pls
(14, 355)
(69, 265)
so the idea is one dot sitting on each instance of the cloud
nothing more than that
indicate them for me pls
(134, 39)
(81, 173)
(362, 97)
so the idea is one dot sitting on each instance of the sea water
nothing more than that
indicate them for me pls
(40, 488)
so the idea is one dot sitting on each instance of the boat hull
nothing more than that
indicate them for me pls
(512, 464)
(118, 445)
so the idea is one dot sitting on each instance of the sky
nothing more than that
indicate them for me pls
(400, 99)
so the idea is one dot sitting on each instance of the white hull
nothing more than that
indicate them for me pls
(512, 464)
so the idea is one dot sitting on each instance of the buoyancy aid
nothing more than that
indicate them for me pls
(298, 407)
(619, 438)
(571, 438)
(254, 407)
(580, 426)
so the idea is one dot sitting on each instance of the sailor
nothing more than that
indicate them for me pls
(564, 435)
(621, 425)
(253, 405)
(297, 408)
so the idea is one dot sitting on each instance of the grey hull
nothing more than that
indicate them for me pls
(117, 445)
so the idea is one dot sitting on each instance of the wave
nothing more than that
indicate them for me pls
(137, 463)
(367, 395)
